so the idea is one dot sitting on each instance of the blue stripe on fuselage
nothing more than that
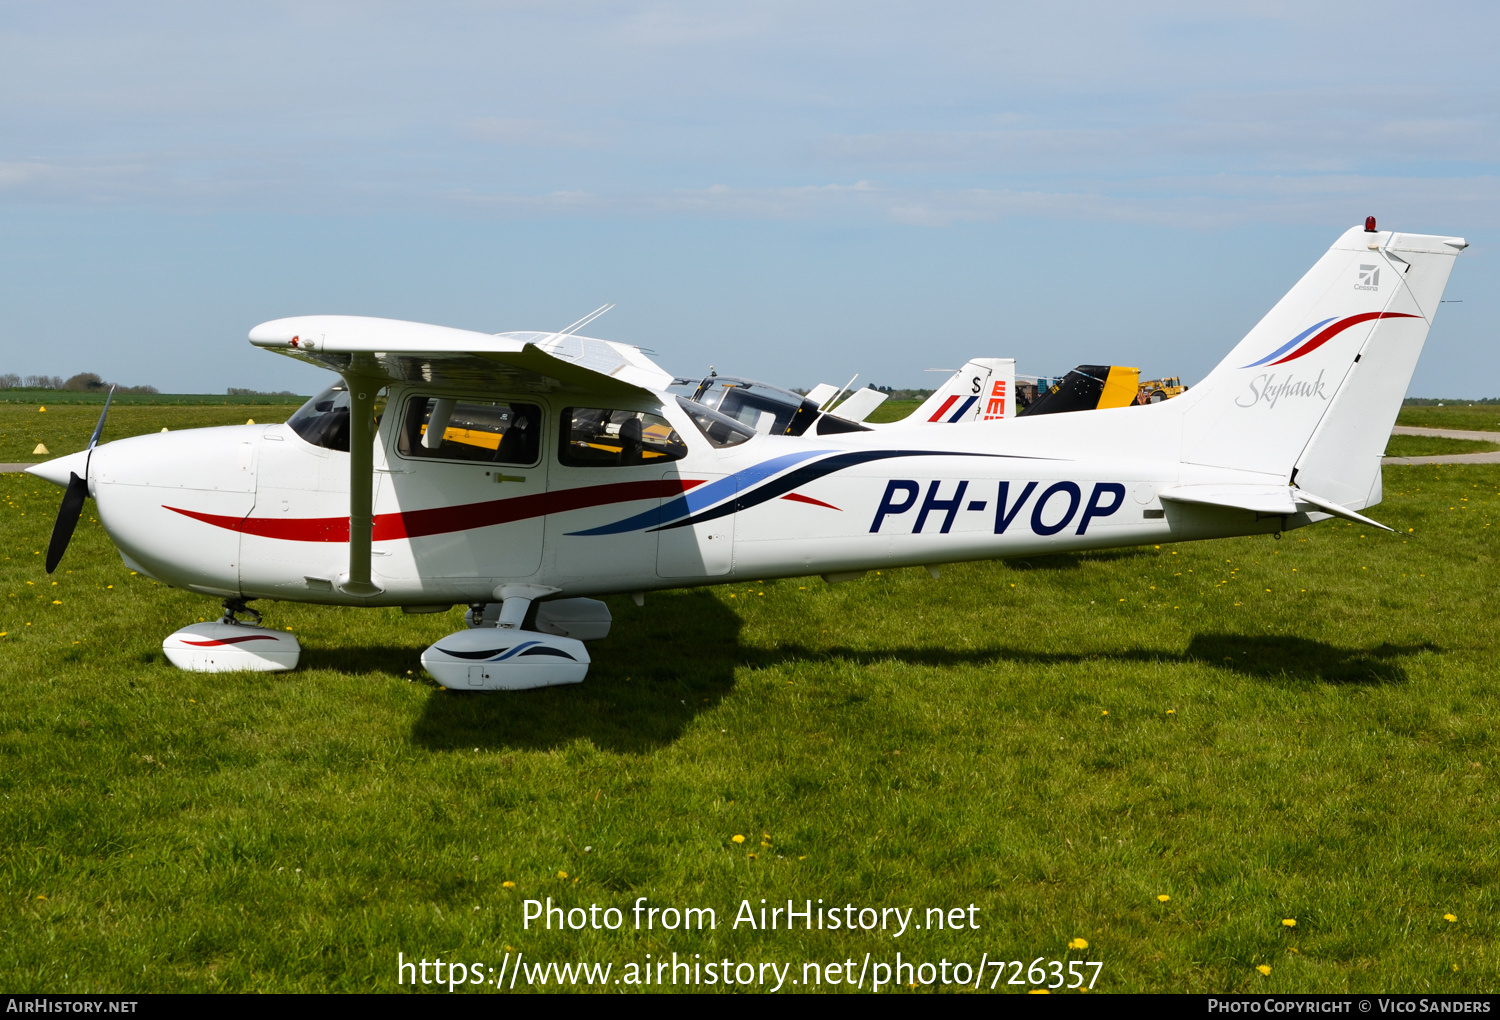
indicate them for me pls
(704, 496)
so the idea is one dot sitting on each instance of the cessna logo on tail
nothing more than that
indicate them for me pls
(1369, 278)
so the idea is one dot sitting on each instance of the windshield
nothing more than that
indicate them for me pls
(720, 430)
(769, 410)
(324, 420)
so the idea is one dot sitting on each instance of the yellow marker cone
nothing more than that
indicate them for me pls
(250, 422)
(40, 409)
(40, 448)
(164, 428)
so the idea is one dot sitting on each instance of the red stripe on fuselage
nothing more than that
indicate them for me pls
(444, 519)
(798, 497)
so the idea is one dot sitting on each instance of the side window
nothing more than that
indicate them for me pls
(599, 437)
(493, 432)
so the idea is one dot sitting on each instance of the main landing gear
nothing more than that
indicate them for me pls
(518, 642)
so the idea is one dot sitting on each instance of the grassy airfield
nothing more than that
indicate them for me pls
(1167, 752)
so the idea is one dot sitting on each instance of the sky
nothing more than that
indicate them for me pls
(791, 192)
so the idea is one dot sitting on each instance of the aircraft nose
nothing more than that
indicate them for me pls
(60, 469)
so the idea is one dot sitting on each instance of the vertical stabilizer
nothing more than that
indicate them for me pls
(1316, 385)
(983, 390)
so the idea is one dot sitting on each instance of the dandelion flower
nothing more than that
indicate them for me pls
(737, 838)
(751, 856)
(562, 874)
(1163, 898)
(1449, 918)
(1290, 922)
(1264, 969)
(507, 885)
(1078, 944)
(1105, 712)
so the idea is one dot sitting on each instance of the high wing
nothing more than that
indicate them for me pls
(398, 351)
(370, 353)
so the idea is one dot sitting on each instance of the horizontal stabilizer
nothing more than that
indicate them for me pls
(822, 393)
(859, 405)
(1328, 506)
(1263, 499)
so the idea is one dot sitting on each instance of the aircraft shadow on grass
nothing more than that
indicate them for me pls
(658, 671)
(1073, 561)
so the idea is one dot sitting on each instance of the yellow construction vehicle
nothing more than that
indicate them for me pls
(1154, 391)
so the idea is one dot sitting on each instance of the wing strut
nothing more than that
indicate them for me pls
(362, 391)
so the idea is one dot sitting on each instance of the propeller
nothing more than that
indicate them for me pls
(73, 497)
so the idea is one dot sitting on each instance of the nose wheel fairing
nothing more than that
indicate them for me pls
(222, 647)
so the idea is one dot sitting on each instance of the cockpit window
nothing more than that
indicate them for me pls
(769, 410)
(491, 432)
(600, 437)
(719, 429)
(324, 420)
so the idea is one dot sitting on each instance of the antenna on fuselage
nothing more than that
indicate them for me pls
(590, 317)
(828, 405)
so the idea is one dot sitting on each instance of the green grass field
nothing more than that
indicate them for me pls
(1433, 446)
(50, 397)
(65, 428)
(1478, 417)
(1166, 752)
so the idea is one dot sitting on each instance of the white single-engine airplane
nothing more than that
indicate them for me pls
(522, 473)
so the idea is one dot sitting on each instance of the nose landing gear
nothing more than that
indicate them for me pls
(234, 607)
(230, 644)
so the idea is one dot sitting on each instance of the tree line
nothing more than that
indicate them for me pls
(83, 382)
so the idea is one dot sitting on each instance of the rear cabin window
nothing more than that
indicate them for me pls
(487, 432)
(600, 437)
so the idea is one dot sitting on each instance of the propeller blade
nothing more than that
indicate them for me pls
(99, 428)
(67, 520)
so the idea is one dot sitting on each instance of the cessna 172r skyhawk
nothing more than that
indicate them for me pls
(522, 473)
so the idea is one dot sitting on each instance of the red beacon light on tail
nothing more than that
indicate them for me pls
(1369, 224)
